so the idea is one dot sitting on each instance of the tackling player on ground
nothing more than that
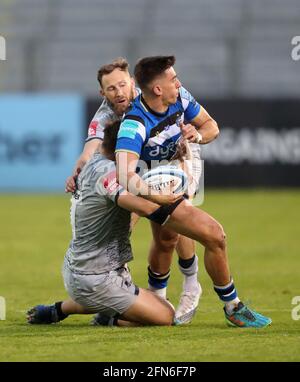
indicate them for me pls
(95, 272)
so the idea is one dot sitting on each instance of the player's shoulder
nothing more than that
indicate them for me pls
(102, 176)
(99, 167)
(103, 115)
(184, 93)
(188, 102)
(99, 162)
(135, 112)
(133, 122)
(105, 110)
(136, 104)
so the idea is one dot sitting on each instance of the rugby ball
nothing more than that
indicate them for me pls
(166, 179)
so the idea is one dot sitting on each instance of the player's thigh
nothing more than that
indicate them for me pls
(149, 309)
(195, 224)
(109, 293)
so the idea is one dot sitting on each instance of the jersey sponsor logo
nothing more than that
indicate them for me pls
(128, 129)
(164, 152)
(93, 128)
(110, 183)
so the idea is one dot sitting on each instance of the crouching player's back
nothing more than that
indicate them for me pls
(100, 228)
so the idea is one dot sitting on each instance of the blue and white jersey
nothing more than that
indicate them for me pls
(152, 135)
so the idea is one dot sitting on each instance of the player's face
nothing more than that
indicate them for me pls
(170, 85)
(118, 88)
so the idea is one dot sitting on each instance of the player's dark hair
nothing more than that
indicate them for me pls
(119, 63)
(110, 136)
(148, 68)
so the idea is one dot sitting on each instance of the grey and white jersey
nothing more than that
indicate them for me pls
(100, 228)
(103, 115)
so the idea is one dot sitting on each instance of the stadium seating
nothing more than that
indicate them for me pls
(223, 48)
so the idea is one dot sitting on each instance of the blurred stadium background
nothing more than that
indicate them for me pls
(234, 56)
(237, 58)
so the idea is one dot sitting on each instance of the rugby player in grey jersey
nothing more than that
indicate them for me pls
(95, 271)
(118, 90)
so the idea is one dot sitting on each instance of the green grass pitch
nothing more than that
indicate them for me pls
(263, 239)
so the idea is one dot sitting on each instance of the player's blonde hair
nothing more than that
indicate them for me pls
(119, 63)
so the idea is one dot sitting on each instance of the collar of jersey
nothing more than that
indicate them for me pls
(148, 108)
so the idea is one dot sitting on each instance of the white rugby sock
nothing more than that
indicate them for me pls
(228, 294)
(190, 283)
(190, 273)
(159, 292)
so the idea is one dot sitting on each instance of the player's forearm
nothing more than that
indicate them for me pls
(89, 148)
(81, 161)
(209, 131)
(137, 204)
(133, 183)
(127, 177)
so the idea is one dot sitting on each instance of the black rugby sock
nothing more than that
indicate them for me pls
(61, 316)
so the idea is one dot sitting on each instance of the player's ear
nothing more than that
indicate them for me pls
(132, 82)
(157, 90)
(102, 93)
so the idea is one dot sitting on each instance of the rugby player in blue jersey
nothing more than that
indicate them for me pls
(150, 131)
(118, 90)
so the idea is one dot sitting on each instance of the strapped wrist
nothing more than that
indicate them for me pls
(199, 138)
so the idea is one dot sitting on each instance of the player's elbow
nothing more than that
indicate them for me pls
(215, 129)
(211, 131)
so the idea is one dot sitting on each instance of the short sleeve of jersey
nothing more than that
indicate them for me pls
(103, 115)
(107, 184)
(97, 125)
(190, 105)
(131, 136)
(96, 129)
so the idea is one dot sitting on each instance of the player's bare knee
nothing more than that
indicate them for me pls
(167, 313)
(168, 318)
(216, 237)
(168, 242)
(221, 238)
